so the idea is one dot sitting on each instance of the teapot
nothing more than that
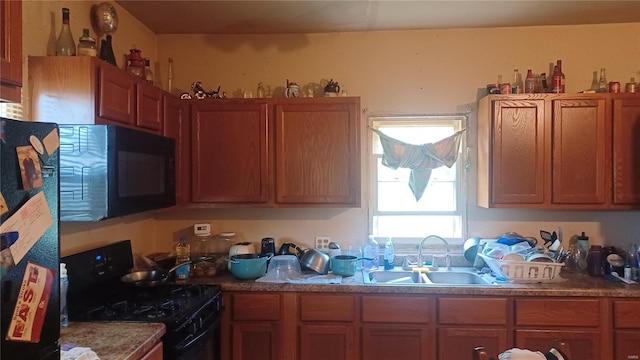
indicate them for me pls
(292, 90)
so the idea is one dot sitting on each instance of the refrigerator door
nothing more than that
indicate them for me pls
(41, 259)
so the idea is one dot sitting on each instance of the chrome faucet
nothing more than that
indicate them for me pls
(447, 255)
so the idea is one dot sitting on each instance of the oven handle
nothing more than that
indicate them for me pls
(215, 324)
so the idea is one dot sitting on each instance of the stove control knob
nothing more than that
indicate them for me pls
(193, 328)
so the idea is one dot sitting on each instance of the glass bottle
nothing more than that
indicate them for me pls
(170, 76)
(65, 46)
(260, 90)
(517, 86)
(630, 87)
(562, 79)
(87, 45)
(594, 261)
(529, 83)
(556, 80)
(603, 86)
(594, 81)
(147, 70)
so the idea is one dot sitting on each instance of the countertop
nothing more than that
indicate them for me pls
(569, 284)
(113, 340)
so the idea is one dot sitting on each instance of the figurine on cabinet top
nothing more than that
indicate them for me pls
(200, 93)
(332, 88)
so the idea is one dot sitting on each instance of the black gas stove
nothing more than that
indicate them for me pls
(191, 313)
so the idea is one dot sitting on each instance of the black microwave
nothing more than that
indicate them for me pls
(109, 171)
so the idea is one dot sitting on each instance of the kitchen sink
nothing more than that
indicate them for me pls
(454, 277)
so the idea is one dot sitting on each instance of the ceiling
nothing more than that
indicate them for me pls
(305, 16)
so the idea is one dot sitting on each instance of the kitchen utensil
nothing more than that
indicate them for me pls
(470, 249)
(289, 249)
(626, 281)
(150, 278)
(241, 248)
(249, 266)
(316, 260)
(282, 267)
(345, 265)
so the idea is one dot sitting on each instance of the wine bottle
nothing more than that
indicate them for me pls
(556, 80)
(603, 86)
(529, 83)
(562, 82)
(65, 45)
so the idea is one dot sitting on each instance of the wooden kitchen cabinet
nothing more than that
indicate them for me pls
(326, 327)
(558, 151)
(626, 150)
(276, 152)
(11, 50)
(397, 327)
(155, 353)
(465, 323)
(252, 326)
(87, 90)
(626, 334)
(540, 323)
(177, 126)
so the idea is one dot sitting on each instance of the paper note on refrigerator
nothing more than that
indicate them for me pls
(30, 221)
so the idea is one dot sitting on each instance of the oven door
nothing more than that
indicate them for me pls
(199, 337)
(205, 346)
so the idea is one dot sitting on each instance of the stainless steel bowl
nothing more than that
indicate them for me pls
(316, 260)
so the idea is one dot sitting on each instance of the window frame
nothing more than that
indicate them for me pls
(409, 244)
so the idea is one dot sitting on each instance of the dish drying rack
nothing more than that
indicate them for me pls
(524, 271)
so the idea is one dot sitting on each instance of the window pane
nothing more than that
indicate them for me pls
(417, 226)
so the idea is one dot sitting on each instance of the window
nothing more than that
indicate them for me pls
(441, 210)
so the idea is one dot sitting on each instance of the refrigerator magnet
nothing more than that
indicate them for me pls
(3, 205)
(51, 142)
(39, 148)
(29, 167)
(31, 306)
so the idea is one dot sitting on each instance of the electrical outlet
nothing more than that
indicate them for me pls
(322, 243)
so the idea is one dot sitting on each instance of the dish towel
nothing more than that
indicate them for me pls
(78, 353)
(421, 159)
(520, 354)
(304, 279)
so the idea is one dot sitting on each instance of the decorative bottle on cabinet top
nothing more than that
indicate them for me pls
(87, 45)
(65, 45)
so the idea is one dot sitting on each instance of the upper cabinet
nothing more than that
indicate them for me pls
(276, 152)
(87, 90)
(11, 50)
(566, 151)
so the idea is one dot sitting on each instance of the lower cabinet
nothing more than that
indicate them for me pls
(155, 353)
(626, 333)
(346, 326)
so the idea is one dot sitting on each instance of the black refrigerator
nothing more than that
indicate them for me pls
(29, 232)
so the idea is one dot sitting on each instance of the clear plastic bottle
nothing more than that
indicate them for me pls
(632, 262)
(183, 253)
(65, 45)
(64, 286)
(389, 254)
(371, 251)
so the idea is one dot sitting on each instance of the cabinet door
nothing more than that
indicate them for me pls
(583, 344)
(321, 342)
(230, 152)
(626, 151)
(626, 345)
(396, 342)
(318, 152)
(149, 109)
(155, 353)
(11, 50)
(176, 126)
(255, 341)
(458, 343)
(581, 154)
(115, 95)
(518, 150)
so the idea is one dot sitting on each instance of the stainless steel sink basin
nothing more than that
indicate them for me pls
(454, 277)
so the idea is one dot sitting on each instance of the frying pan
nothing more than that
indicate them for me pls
(150, 278)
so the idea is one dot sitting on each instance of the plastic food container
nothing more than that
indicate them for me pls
(283, 267)
(524, 271)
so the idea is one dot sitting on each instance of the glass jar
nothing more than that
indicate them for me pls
(87, 45)
(594, 261)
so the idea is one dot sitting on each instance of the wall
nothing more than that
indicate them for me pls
(406, 72)
(42, 21)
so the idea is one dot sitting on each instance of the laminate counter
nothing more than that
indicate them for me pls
(569, 284)
(114, 340)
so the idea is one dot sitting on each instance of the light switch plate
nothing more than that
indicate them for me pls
(322, 243)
